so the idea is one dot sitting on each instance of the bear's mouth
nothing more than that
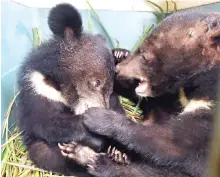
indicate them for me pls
(144, 89)
(81, 108)
(85, 104)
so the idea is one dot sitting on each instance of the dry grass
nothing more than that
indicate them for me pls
(14, 157)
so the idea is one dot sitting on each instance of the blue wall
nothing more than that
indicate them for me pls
(17, 37)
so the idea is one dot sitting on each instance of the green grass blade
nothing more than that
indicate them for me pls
(137, 106)
(13, 154)
(15, 171)
(4, 159)
(147, 30)
(175, 6)
(37, 174)
(25, 174)
(101, 25)
(36, 37)
(117, 43)
(160, 15)
(156, 5)
(25, 166)
(4, 154)
(5, 127)
(11, 139)
(167, 6)
(93, 10)
(89, 22)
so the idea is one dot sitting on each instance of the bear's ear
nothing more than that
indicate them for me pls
(211, 44)
(216, 41)
(211, 48)
(64, 18)
(68, 34)
(216, 45)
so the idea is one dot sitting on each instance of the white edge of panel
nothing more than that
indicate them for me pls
(117, 5)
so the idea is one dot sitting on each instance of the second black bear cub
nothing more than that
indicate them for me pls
(180, 60)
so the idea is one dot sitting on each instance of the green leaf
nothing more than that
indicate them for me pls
(175, 6)
(4, 159)
(89, 22)
(102, 26)
(160, 15)
(36, 37)
(11, 139)
(137, 106)
(167, 6)
(117, 43)
(146, 32)
(25, 173)
(156, 5)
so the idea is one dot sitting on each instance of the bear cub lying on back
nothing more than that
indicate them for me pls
(58, 81)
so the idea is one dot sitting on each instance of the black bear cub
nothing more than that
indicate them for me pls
(178, 65)
(58, 81)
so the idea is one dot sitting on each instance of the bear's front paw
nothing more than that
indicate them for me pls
(78, 153)
(120, 54)
(117, 156)
(100, 121)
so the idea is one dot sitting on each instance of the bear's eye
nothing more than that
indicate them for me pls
(141, 50)
(97, 83)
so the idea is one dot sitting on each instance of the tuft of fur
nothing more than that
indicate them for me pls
(63, 16)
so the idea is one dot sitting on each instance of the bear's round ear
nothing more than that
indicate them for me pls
(215, 54)
(211, 48)
(216, 41)
(211, 43)
(63, 18)
(68, 34)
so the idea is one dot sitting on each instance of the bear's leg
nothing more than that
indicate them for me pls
(49, 157)
(115, 104)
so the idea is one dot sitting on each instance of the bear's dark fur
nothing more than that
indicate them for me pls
(58, 81)
(178, 65)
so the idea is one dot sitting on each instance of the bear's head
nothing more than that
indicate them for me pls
(74, 68)
(181, 46)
